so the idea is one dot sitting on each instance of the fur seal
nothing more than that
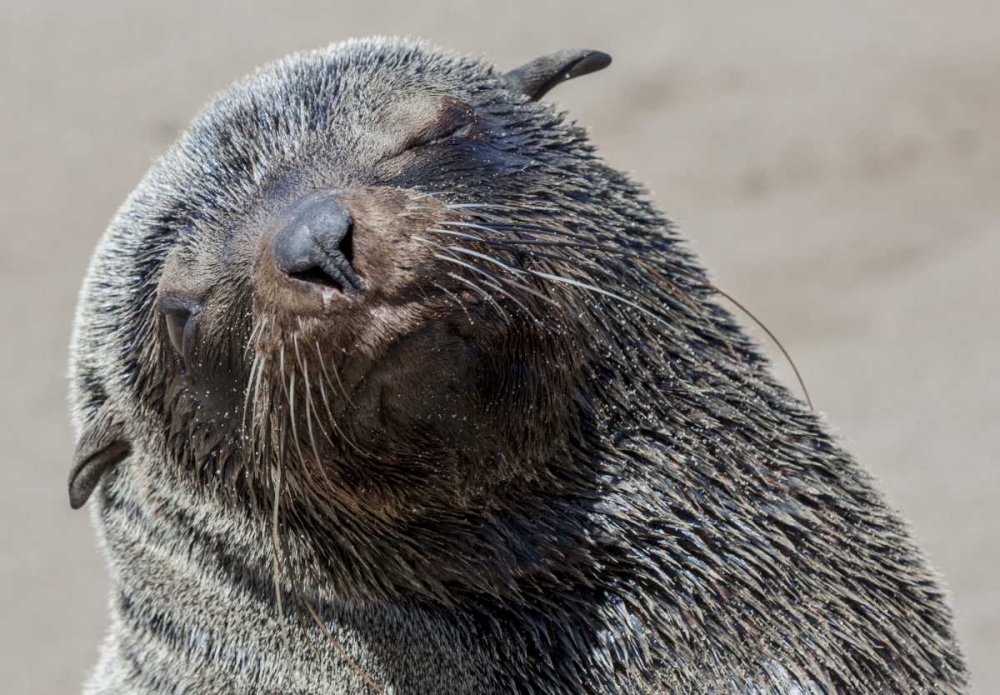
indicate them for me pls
(385, 383)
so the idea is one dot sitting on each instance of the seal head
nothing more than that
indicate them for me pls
(329, 307)
(382, 343)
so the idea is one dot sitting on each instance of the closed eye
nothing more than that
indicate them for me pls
(181, 318)
(454, 119)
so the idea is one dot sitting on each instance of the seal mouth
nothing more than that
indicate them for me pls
(317, 276)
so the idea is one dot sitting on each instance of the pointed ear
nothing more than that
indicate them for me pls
(536, 78)
(101, 446)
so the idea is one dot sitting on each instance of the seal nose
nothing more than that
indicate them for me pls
(317, 247)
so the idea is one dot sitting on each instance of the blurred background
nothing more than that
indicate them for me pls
(837, 166)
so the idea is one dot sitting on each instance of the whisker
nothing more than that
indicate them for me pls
(336, 373)
(341, 651)
(643, 261)
(598, 290)
(772, 336)
(412, 211)
(512, 298)
(562, 280)
(497, 278)
(559, 244)
(257, 416)
(489, 297)
(251, 391)
(326, 403)
(467, 225)
(515, 244)
(340, 384)
(488, 259)
(276, 547)
(254, 366)
(503, 229)
(480, 271)
(499, 206)
(294, 420)
(428, 194)
(304, 366)
(459, 302)
(559, 279)
(459, 235)
(476, 269)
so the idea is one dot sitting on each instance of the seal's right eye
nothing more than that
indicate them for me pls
(180, 318)
(453, 119)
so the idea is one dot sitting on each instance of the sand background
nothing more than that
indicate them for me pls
(836, 164)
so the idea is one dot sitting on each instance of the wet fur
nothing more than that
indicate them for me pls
(627, 503)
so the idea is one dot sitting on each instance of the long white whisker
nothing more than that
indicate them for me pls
(326, 402)
(450, 250)
(469, 225)
(304, 367)
(481, 291)
(459, 302)
(484, 273)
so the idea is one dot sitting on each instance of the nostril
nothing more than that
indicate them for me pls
(317, 246)
(347, 245)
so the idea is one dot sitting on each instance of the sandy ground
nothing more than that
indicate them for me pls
(838, 170)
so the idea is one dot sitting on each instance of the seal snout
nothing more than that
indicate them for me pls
(317, 246)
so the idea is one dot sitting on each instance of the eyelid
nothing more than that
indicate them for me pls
(181, 318)
(452, 119)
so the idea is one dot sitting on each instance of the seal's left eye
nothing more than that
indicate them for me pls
(180, 319)
(176, 322)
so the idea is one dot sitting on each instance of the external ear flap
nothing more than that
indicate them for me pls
(536, 78)
(102, 445)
